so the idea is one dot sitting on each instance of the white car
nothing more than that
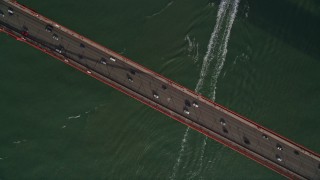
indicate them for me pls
(113, 59)
(279, 147)
(103, 61)
(278, 158)
(60, 49)
(223, 122)
(185, 110)
(195, 104)
(265, 136)
(155, 95)
(10, 11)
(55, 37)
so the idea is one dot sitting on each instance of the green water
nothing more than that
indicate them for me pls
(57, 123)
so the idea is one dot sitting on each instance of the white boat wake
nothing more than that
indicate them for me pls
(183, 145)
(216, 51)
(193, 48)
(74, 117)
(162, 10)
(217, 47)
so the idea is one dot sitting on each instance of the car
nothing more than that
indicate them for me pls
(49, 28)
(55, 37)
(155, 95)
(278, 158)
(113, 59)
(185, 110)
(279, 147)
(195, 104)
(103, 61)
(1, 14)
(25, 31)
(133, 72)
(265, 136)
(223, 122)
(82, 45)
(187, 103)
(10, 11)
(129, 78)
(60, 49)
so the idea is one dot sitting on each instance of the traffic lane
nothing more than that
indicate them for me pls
(35, 27)
(143, 87)
(61, 35)
(31, 28)
(21, 19)
(150, 81)
(271, 142)
(305, 163)
(131, 67)
(244, 131)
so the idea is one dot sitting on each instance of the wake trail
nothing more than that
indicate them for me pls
(193, 48)
(221, 58)
(217, 51)
(223, 49)
(162, 10)
(212, 44)
(74, 117)
(183, 144)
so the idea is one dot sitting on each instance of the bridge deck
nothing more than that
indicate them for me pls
(215, 121)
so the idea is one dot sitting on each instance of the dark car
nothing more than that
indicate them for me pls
(1, 13)
(49, 28)
(25, 31)
(10, 11)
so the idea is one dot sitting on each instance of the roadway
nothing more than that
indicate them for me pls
(213, 120)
